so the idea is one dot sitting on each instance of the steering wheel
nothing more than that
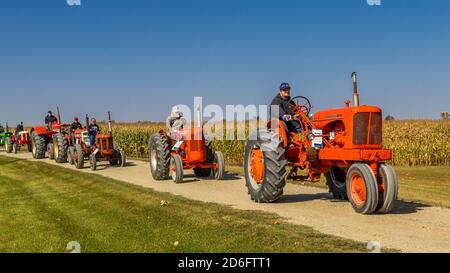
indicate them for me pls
(301, 104)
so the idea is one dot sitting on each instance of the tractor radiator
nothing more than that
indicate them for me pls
(367, 129)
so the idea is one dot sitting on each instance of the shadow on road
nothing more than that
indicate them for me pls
(401, 207)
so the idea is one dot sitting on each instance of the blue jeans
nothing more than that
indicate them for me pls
(92, 140)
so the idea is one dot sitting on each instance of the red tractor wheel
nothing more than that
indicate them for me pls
(219, 160)
(78, 156)
(388, 189)
(51, 151)
(176, 168)
(38, 146)
(362, 188)
(60, 148)
(265, 167)
(70, 155)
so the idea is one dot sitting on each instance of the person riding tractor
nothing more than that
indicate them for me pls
(281, 107)
(93, 130)
(175, 123)
(49, 119)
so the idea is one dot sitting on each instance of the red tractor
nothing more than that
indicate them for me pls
(52, 139)
(104, 149)
(344, 144)
(19, 139)
(169, 158)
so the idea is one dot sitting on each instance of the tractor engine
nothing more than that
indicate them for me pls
(105, 144)
(351, 127)
(195, 145)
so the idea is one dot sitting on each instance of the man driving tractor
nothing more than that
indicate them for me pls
(175, 122)
(50, 118)
(76, 124)
(282, 109)
(2, 130)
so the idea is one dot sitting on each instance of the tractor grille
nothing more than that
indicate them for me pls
(362, 134)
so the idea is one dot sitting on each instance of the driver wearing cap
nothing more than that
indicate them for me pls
(283, 110)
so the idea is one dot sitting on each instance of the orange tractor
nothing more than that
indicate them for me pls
(104, 149)
(169, 157)
(343, 144)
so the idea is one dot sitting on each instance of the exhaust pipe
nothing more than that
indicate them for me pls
(59, 115)
(355, 90)
(87, 121)
(109, 122)
(7, 127)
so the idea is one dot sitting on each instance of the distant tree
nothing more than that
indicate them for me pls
(445, 115)
(389, 117)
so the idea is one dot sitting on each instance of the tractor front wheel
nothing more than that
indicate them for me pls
(159, 155)
(219, 159)
(388, 189)
(9, 145)
(176, 168)
(362, 188)
(78, 156)
(93, 161)
(38, 146)
(336, 179)
(71, 152)
(210, 156)
(60, 148)
(265, 167)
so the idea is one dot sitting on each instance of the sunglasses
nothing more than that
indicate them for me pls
(286, 90)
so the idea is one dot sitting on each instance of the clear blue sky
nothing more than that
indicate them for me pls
(138, 58)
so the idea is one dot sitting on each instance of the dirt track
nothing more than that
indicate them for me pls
(409, 228)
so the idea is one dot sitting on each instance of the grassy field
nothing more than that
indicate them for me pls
(425, 185)
(43, 207)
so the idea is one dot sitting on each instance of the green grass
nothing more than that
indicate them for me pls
(425, 185)
(43, 207)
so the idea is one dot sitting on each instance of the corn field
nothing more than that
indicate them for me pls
(414, 142)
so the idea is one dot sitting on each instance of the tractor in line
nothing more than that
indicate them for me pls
(344, 144)
(170, 157)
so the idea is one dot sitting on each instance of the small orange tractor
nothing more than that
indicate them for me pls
(344, 144)
(103, 149)
(52, 139)
(19, 139)
(169, 157)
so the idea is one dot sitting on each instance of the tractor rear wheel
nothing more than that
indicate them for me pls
(78, 156)
(202, 172)
(265, 167)
(38, 146)
(362, 188)
(9, 145)
(176, 168)
(389, 189)
(93, 161)
(159, 155)
(336, 182)
(51, 151)
(60, 148)
(70, 158)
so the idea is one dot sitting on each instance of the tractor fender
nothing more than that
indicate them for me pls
(281, 130)
(41, 130)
